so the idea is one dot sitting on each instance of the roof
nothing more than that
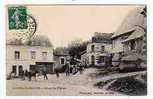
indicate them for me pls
(132, 19)
(102, 37)
(61, 52)
(125, 32)
(83, 52)
(37, 40)
(138, 33)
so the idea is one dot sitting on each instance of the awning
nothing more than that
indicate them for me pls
(44, 63)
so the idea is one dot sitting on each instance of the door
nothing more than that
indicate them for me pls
(14, 69)
(93, 60)
(20, 70)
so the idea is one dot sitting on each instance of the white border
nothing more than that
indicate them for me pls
(74, 1)
(2, 45)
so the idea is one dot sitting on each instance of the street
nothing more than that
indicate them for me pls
(79, 84)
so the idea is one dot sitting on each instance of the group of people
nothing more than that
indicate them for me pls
(25, 74)
(73, 69)
(69, 69)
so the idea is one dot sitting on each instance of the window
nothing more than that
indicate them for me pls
(124, 37)
(102, 48)
(92, 48)
(33, 54)
(14, 69)
(62, 61)
(101, 59)
(17, 55)
(133, 45)
(44, 55)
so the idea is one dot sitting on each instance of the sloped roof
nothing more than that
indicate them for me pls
(61, 52)
(132, 19)
(102, 37)
(14, 42)
(136, 34)
(38, 40)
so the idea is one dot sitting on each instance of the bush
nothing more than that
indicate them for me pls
(129, 86)
(102, 83)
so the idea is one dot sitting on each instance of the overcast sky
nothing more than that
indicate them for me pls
(63, 24)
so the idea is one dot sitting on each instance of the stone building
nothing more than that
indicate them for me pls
(128, 40)
(21, 56)
(98, 50)
(61, 57)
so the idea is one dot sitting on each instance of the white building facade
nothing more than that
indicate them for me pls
(98, 50)
(97, 53)
(24, 57)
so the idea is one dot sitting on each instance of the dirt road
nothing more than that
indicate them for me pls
(79, 84)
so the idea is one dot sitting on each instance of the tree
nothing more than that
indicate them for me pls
(76, 47)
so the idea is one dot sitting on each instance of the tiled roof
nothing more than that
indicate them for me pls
(133, 18)
(136, 34)
(102, 38)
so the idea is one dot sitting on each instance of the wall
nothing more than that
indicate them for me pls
(25, 56)
(58, 61)
(138, 46)
(98, 52)
(117, 45)
(98, 47)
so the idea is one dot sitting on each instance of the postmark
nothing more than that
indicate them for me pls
(21, 22)
(26, 34)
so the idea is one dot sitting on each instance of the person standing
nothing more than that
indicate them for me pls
(57, 73)
(23, 75)
(45, 73)
(67, 70)
(80, 68)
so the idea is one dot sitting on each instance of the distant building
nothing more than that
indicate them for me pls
(84, 58)
(98, 50)
(21, 56)
(61, 57)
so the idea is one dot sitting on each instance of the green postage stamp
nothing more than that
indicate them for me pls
(17, 17)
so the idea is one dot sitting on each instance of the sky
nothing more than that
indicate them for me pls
(65, 23)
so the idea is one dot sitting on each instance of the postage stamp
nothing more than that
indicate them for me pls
(17, 17)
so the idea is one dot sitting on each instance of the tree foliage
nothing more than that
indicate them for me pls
(76, 47)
